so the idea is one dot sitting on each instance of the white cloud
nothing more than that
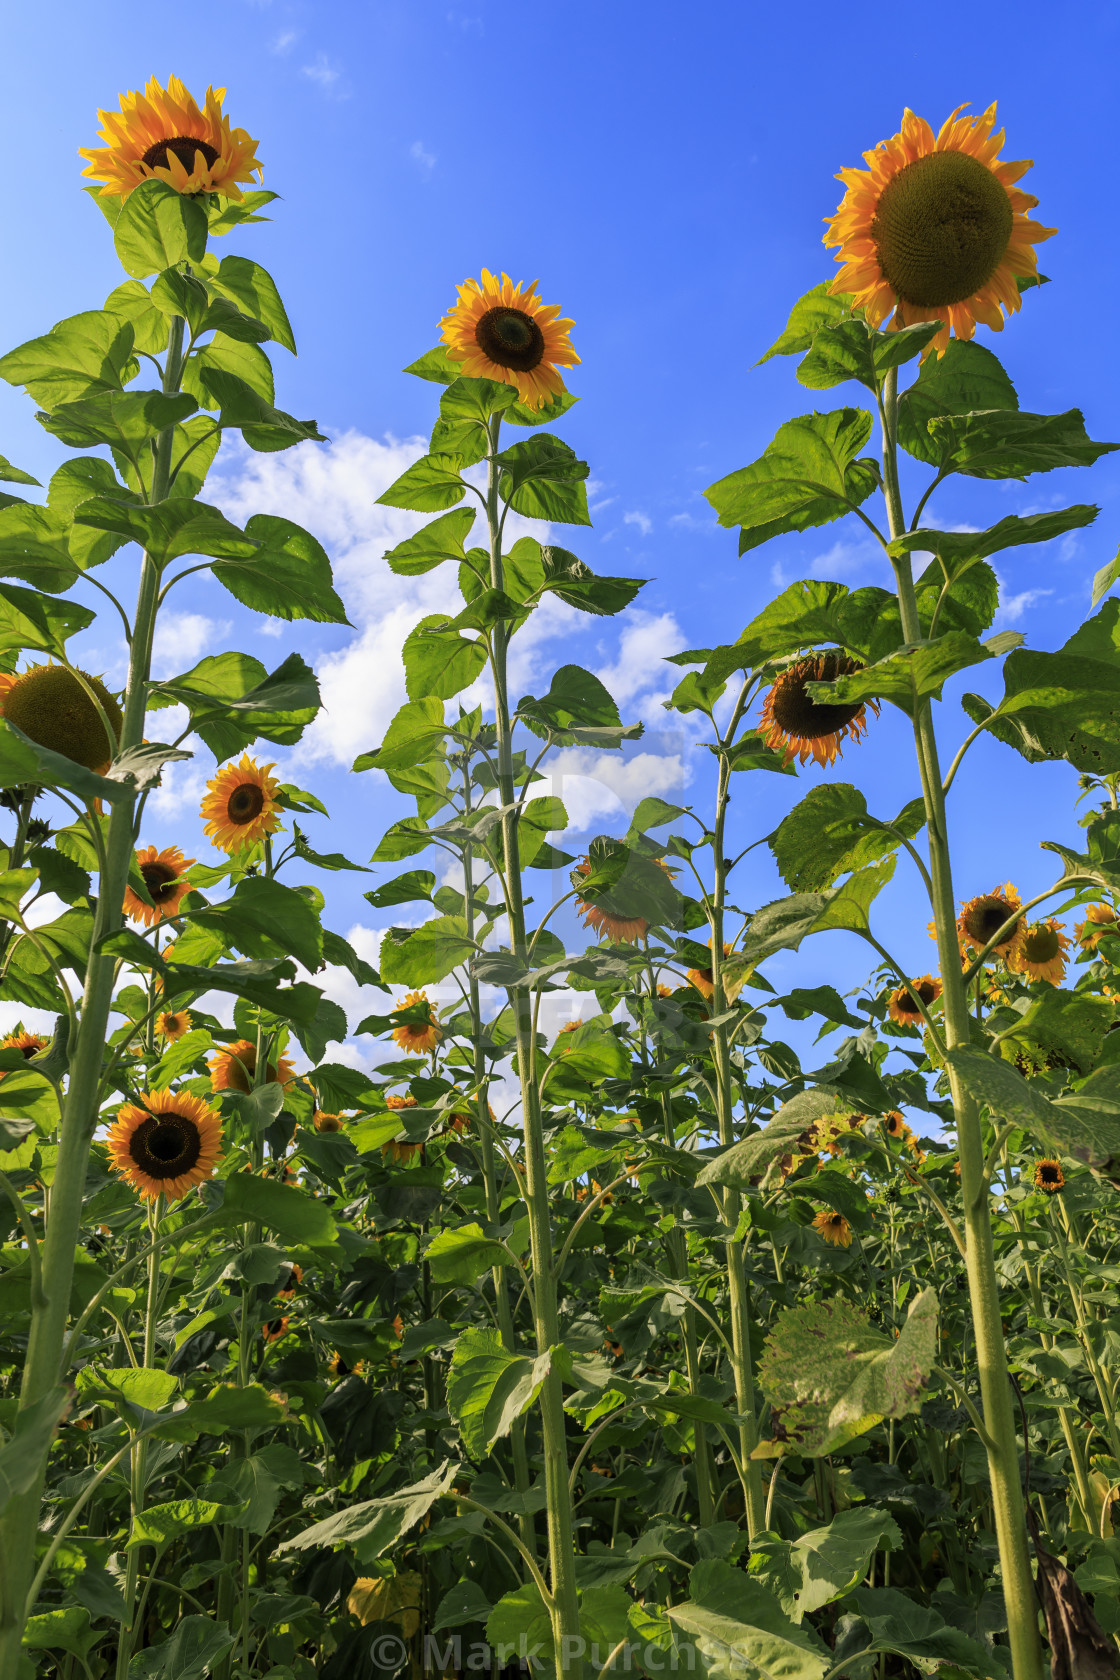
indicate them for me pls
(182, 788)
(641, 520)
(421, 156)
(285, 42)
(595, 784)
(181, 639)
(1013, 606)
(645, 641)
(324, 74)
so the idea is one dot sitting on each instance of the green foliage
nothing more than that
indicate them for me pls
(808, 476)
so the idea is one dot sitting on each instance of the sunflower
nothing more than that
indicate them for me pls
(981, 919)
(400, 1102)
(53, 708)
(338, 1367)
(664, 991)
(30, 1043)
(274, 1329)
(173, 1025)
(1100, 919)
(164, 878)
(620, 930)
(1048, 1176)
(896, 1126)
(288, 1288)
(233, 1068)
(504, 332)
(1041, 952)
(704, 980)
(162, 135)
(420, 1036)
(903, 1003)
(323, 1122)
(934, 229)
(799, 727)
(165, 1143)
(399, 1151)
(834, 1228)
(240, 807)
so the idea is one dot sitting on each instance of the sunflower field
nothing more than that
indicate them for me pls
(636, 1347)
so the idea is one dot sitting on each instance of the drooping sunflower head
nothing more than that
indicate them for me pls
(935, 228)
(165, 1143)
(69, 713)
(234, 1068)
(161, 134)
(1048, 1176)
(417, 1037)
(834, 1228)
(173, 1025)
(1100, 919)
(620, 930)
(240, 806)
(326, 1122)
(981, 919)
(704, 979)
(165, 878)
(902, 1006)
(502, 331)
(1041, 952)
(799, 727)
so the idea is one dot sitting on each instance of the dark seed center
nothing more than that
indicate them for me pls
(184, 146)
(245, 803)
(986, 919)
(165, 1145)
(796, 715)
(160, 879)
(941, 228)
(511, 338)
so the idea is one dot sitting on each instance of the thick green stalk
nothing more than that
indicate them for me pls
(561, 1549)
(138, 1478)
(995, 1385)
(79, 1112)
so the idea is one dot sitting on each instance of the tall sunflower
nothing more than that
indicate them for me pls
(1041, 952)
(935, 229)
(165, 1143)
(240, 806)
(620, 930)
(799, 727)
(834, 1228)
(902, 1005)
(161, 134)
(502, 331)
(165, 878)
(704, 979)
(417, 1037)
(173, 1025)
(981, 919)
(54, 709)
(234, 1068)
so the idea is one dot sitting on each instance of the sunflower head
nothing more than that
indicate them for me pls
(502, 331)
(173, 1025)
(406, 1101)
(1041, 952)
(704, 979)
(981, 919)
(834, 1228)
(620, 930)
(327, 1122)
(54, 709)
(1048, 1176)
(1100, 919)
(234, 1068)
(417, 1037)
(902, 1006)
(240, 806)
(274, 1328)
(399, 1151)
(162, 135)
(287, 1287)
(895, 1126)
(935, 228)
(338, 1366)
(165, 878)
(165, 1143)
(799, 727)
(19, 1039)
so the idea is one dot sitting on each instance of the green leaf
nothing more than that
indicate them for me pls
(488, 1388)
(958, 549)
(232, 701)
(519, 1622)
(578, 586)
(125, 420)
(460, 1256)
(79, 357)
(967, 377)
(1067, 1026)
(808, 476)
(289, 575)
(196, 1646)
(370, 1528)
(245, 360)
(785, 923)
(920, 1636)
(543, 479)
(168, 529)
(818, 308)
(852, 349)
(31, 620)
(1059, 705)
(132, 301)
(576, 699)
(405, 889)
(808, 614)
(34, 546)
(830, 833)
(14, 475)
(652, 812)
(465, 1602)
(1084, 1126)
(228, 1408)
(438, 663)
(422, 956)
(830, 1376)
(826, 1563)
(592, 1051)
(291, 1213)
(158, 227)
(740, 1629)
(21, 1457)
(435, 365)
(411, 738)
(77, 481)
(1003, 443)
(431, 483)
(253, 290)
(442, 540)
(790, 1132)
(263, 916)
(263, 427)
(160, 1525)
(150, 1390)
(913, 673)
(59, 1630)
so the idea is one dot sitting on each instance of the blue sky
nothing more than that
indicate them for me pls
(665, 171)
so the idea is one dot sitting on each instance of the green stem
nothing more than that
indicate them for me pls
(138, 1479)
(995, 1386)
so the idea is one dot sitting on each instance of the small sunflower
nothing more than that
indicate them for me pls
(173, 1025)
(802, 728)
(338, 1367)
(896, 1127)
(233, 1068)
(161, 134)
(323, 1122)
(834, 1228)
(399, 1151)
(1041, 952)
(704, 980)
(53, 708)
(620, 930)
(400, 1102)
(240, 807)
(165, 1143)
(274, 1328)
(902, 1006)
(504, 332)
(981, 919)
(935, 229)
(664, 991)
(420, 1036)
(1048, 1176)
(1100, 919)
(292, 1279)
(165, 878)
(19, 1039)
